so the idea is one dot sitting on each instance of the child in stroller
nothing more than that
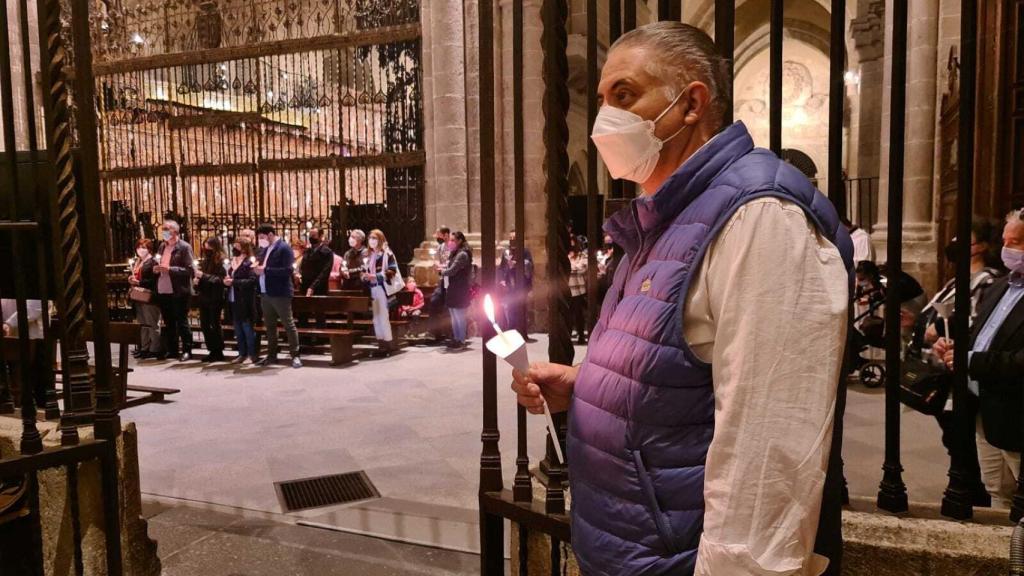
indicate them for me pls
(867, 340)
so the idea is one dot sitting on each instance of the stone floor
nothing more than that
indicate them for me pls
(412, 422)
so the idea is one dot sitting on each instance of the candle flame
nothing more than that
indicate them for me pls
(489, 308)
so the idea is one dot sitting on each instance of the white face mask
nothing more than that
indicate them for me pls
(627, 142)
(263, 242)
(373, 243)
(142, 253)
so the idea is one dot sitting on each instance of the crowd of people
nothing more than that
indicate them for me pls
(255, 277)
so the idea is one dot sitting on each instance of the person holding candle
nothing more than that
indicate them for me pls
(458, 279)
(241, 294)
(174, 288)
(274, 269)
(353, 261)
(381, 267)
(210, 286)
(144, 276)
(315, 268)
(706, 416)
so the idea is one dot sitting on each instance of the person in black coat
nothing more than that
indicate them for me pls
(316, 265)
(996, 366)
(459, 279)
(241, 294)
(210, 287)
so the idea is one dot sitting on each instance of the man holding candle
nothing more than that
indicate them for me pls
(174, 288)
(703, 436)
(274, 269)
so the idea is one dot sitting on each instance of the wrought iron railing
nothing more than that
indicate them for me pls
(858, 198)
(53, 238)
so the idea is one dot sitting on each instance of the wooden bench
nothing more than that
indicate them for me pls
(126, 334)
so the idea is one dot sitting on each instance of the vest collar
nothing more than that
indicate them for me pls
(648, 214)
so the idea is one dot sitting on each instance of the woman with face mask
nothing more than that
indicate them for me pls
(143, 279)
(241, 295)
(353, 263)
(459, 278)
(381, 267)
(209, 280)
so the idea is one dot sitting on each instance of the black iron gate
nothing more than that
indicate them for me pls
(51, 239)
(299, 113)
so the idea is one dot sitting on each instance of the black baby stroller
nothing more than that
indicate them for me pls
(867, 341)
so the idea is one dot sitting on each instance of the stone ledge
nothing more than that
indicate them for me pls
(875, 544)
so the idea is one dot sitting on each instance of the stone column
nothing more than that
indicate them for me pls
(869, 41)
(919, 250)
(446, 136)
(445, 106)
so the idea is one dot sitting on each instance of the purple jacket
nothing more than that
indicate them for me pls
(642, 415)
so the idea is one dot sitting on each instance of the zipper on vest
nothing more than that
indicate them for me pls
(634, 263)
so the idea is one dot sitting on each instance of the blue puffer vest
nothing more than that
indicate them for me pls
(643, 411)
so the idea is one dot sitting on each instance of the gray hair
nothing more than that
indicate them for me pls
(683, 54)
(1016, 215)
(358, 234)
(172, 225)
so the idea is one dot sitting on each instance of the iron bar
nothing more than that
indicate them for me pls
(107, 422)
(523, 487)
(593, 207)
(629, 16)
(492, 557)
(892, 493)
(664, 10)
(956, 500)
(63, 207)
(50, 407)
(775, 73)
(725, 40)
(836, 105)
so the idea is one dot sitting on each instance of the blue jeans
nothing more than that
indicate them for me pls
(246, 338)
(458, 323)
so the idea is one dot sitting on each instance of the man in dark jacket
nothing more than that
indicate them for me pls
(173, 289)
(316, 265)
(995, 366)
(274, 267)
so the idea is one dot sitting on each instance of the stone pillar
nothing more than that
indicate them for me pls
(446, 124)
(445, 106)
(919, 249)
(869, 41)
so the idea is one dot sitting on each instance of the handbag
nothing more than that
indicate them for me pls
(394, 285)
(141, 295)
(923, 386)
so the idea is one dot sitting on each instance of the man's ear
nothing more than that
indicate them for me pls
(698, 102)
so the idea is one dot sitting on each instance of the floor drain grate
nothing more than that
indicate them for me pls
(325, 491)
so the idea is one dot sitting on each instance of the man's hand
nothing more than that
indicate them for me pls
(943, 350)
(545, 382)
(228, 281)
(258, 270)
(161, 269)
(931, 335)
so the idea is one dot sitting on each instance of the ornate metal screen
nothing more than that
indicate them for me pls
(230, 113)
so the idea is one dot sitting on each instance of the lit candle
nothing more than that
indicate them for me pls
(511, 347)
(252, 260)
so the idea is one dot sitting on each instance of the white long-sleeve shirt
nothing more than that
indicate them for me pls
(768, 309)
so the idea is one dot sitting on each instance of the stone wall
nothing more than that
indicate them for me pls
(875, 545)
(138, 551)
